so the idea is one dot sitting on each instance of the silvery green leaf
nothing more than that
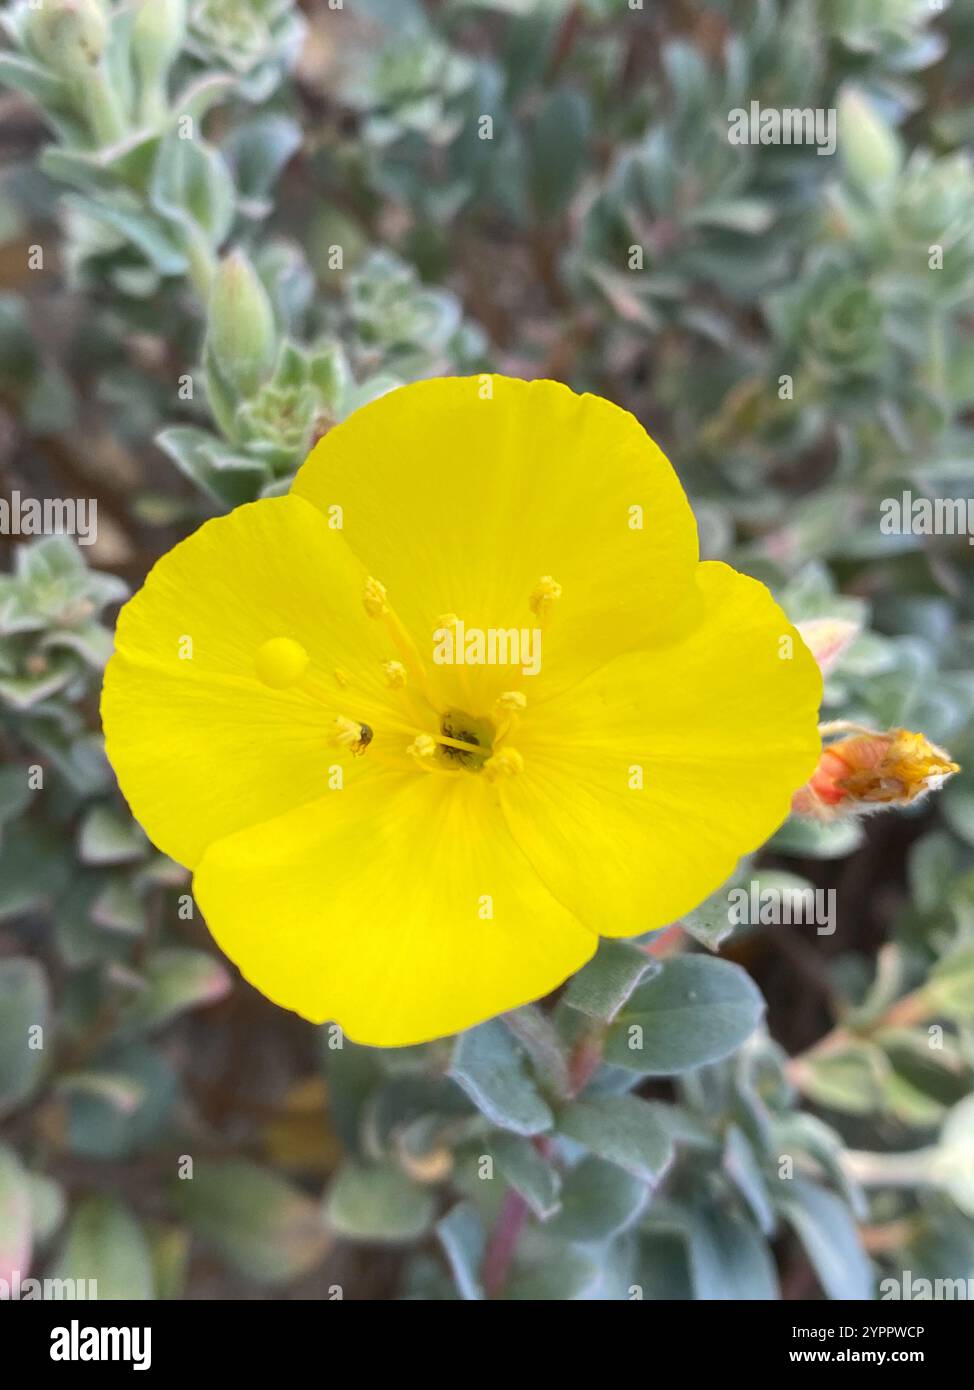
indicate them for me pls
(33, 869)
(741, 1164)
(377, 1202)
(729, 1260)
(200, 96)
(265, 1228)
(127, 164)
(147, 234)
(14, 792)
(597, 1202)
(177, 978)
(603, 986)
(556, 1274)
(108, 837)
(827, 1230)
(954, 1163)
(951, 986)
(119, 906)
(121, 1104)
(622, 1129)
(235, 479)
(258, 151)
(750, 216)
(851, 1079)
(192, 185)
(24, 76)
(557, 148)
(106, 1252)
(696, 1010)
(490, 1067)
(464, 1240)
(520, 1163)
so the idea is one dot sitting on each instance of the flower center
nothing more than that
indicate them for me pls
(467, 742)
(462, 741)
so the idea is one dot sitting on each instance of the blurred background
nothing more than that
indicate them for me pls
(225, 225)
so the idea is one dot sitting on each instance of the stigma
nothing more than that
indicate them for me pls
(281, 663)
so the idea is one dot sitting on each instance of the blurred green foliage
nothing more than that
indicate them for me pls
(252, 220)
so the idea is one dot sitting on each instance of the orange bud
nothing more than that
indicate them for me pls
(870, 771)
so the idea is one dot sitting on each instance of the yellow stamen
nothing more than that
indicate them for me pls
(352, 735)
(395, 673)
(543, 596)
(507, 708)
(507, 763)
(511, 702)
(376, 601)
(374, 598)
(281, 662)
(423, 751)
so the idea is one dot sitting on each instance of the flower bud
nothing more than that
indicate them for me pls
(68, 36)
(871, 771)
(870, 150)
(240, 331)
(157, 36)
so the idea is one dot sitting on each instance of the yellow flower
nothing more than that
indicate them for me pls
(409, 845)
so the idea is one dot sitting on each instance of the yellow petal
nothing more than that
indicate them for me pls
(201, 744)
(401, 908)
(721, 727)
(462, 505)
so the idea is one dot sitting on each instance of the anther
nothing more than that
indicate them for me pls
(511, 702)
(395, 673)
(423, 751)
(543, 595)
(352, 735)
(376, 601)
(507, 763)
(375, 598)
(281, 662)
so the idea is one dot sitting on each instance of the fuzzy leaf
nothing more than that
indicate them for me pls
(489, 1066)
(696, 1010)
(622, 1129)
(377, 1203)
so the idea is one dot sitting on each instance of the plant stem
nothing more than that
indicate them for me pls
(912, 1169)
(503, 1242)
(103, 109)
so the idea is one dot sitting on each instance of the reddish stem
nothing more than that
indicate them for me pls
(503, 1242)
